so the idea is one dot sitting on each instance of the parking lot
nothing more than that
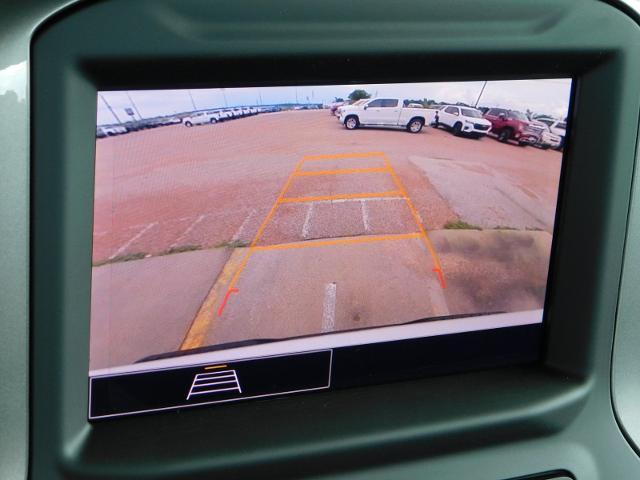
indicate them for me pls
(287, 224)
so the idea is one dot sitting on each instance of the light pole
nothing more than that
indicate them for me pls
(109, 107)
(134, 105)
(480, 95)
(192, 101)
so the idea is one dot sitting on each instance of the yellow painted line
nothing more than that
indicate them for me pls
(342, 155)
(341, 171)
(414, 213)
(339, 241)
(239, 270)
(214, 367)
(344, 196)
(203, 320)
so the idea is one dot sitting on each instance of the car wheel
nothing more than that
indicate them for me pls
(188, 124)
(351, 123)
(213, 120)
(504, 135)
(522, 144)
(415, 125)
(457, 129)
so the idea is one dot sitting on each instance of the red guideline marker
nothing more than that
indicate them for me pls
(226, 297)
(440, 277)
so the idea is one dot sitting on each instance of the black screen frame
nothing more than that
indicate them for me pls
(360, 362)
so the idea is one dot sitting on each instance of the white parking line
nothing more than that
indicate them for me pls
(329, 308)
(307, 221)
(365, 216)
(133, 239)
(188, 230)
(241, 228)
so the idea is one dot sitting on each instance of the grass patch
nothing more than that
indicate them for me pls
(181, 249)
(231, 244)
(504, 227)
(460, 225)
(534, 229)
(128, 257)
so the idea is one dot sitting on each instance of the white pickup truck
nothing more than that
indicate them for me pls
(383, 112)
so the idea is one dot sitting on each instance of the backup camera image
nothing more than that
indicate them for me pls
(331, 214)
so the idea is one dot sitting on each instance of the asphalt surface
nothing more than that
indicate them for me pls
(145, 307)
(372, 225)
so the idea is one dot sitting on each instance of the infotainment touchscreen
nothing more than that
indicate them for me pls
(260, 241)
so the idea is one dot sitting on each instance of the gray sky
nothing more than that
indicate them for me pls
(541, 96)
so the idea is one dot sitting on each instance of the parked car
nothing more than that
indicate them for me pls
(201, 118)
(333, 108)
(383, 112)
(557, 127)
(547, 139)
(110, 130)
(226, 114)
(462, 120)
(513, 125)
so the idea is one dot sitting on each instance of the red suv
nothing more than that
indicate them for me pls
(513, 125)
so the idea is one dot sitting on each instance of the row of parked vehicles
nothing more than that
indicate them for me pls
(135, 125)
(195, 118)
(215, 116)
(507, 125)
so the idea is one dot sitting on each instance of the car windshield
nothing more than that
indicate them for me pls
(518, 115)
(562, 125)
(469, 112)
(359, 102)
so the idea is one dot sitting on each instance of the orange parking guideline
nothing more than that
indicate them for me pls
(213, 367)
(341, 171)
(400, 192)
(425, 238)
(339, 241)
(263, 226)
(345, 196)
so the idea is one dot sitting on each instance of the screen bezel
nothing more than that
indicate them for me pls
(62, 137)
